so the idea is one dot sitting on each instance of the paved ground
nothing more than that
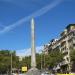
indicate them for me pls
(33, 71)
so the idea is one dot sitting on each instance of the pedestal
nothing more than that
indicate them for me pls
(33, 71)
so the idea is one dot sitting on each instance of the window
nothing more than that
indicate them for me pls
(73, 33)
(67, 59)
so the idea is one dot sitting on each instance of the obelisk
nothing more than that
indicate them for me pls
(33, 57)
(33, 70)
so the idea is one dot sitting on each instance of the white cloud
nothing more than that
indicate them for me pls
(35, 14)
(27, 52)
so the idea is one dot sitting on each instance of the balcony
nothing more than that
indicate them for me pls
(73, 41)
(65, 51)
(64, 63)
(56, 67)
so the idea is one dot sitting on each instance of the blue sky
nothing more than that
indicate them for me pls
(51, 17)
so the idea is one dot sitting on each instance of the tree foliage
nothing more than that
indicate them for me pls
(72, 58)
(72, 55)
(42, 60)
(46, 61)
(53, 58)
(5, 60)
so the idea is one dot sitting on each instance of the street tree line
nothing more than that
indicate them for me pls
(43, 61)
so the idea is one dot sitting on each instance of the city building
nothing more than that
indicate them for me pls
(65, 44)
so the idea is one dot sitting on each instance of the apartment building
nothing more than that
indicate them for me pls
(65, 44)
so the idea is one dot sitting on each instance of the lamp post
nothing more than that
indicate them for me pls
(11, 62)
(44, 59)
(41, 60)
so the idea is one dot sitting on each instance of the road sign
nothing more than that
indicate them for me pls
(24, 68)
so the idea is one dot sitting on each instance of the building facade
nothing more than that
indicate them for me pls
(64, 44)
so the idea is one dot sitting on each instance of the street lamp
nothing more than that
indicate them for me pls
(11, 62)
(43, 58)
(41, 61)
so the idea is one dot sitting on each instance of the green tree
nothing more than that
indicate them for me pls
(72, 62)
(53, 58)
(5, 60)
(38, 61)
(26, 61)
(72, 55)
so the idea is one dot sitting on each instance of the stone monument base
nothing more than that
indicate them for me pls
(33, 71)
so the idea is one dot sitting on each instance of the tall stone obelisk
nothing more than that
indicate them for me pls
(33, 57)
(33, 70)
